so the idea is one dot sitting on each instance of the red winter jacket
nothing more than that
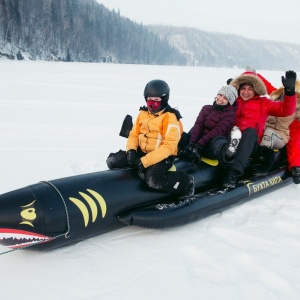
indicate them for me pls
(212, 122)
(293, 146)
(253, 113)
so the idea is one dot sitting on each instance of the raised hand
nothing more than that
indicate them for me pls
(289, 81)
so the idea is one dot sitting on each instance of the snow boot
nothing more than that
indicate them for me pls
(295, 171)
(262, 161)
(191, 190)
(117, 160)
(230, 178)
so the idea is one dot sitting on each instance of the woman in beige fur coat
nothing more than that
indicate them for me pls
(277, 135)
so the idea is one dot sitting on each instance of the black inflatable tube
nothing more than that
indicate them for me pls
(59, 212)
(199, 206)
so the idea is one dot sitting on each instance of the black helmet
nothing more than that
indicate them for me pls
(157, 88)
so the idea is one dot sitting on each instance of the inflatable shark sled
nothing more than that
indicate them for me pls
(51, 214)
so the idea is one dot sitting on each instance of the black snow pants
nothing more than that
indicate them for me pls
(156, 176)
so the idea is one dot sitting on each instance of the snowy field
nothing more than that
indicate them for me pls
(63, 119)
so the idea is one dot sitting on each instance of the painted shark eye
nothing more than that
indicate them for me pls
(28, 214)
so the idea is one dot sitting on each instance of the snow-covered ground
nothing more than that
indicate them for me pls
(63, 119)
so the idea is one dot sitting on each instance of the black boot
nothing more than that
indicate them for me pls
(230, 178)
(262, 161)
(191, 190)
(117, 160)
(258, 169)
(220, 151)
(295, 171)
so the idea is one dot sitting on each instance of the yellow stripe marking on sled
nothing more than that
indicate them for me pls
(211, 162)
(100, 200)
(172, 169)
(82, 208)
(92, 205)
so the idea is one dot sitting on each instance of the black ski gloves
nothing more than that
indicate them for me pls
(289, 82)
(131, 157)
(139, 165)
(196, 155)
(134, 161)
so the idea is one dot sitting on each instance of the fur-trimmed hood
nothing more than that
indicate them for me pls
(276, 94)
(258, 85)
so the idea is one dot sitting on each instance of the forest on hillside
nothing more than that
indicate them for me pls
(78, 30)
(214, 49)
(86, 31)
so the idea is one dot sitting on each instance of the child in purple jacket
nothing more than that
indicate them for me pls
(214, 121)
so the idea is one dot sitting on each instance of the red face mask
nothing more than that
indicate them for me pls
(153, 106)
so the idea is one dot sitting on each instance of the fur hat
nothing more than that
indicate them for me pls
(270, 88)
(258, 85)
(229, 92)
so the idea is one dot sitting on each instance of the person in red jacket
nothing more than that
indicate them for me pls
(293, 149)
(213, 120)
(251, 115)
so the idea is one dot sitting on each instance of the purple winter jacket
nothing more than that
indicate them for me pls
(213, 120)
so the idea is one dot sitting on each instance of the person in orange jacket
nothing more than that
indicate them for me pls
(152, 143)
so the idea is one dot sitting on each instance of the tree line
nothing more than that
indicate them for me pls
(86, 31)
(78, 30)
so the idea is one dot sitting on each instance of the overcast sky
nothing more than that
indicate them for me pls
(277, 20)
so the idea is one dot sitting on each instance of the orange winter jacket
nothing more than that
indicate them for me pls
(157, 135)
